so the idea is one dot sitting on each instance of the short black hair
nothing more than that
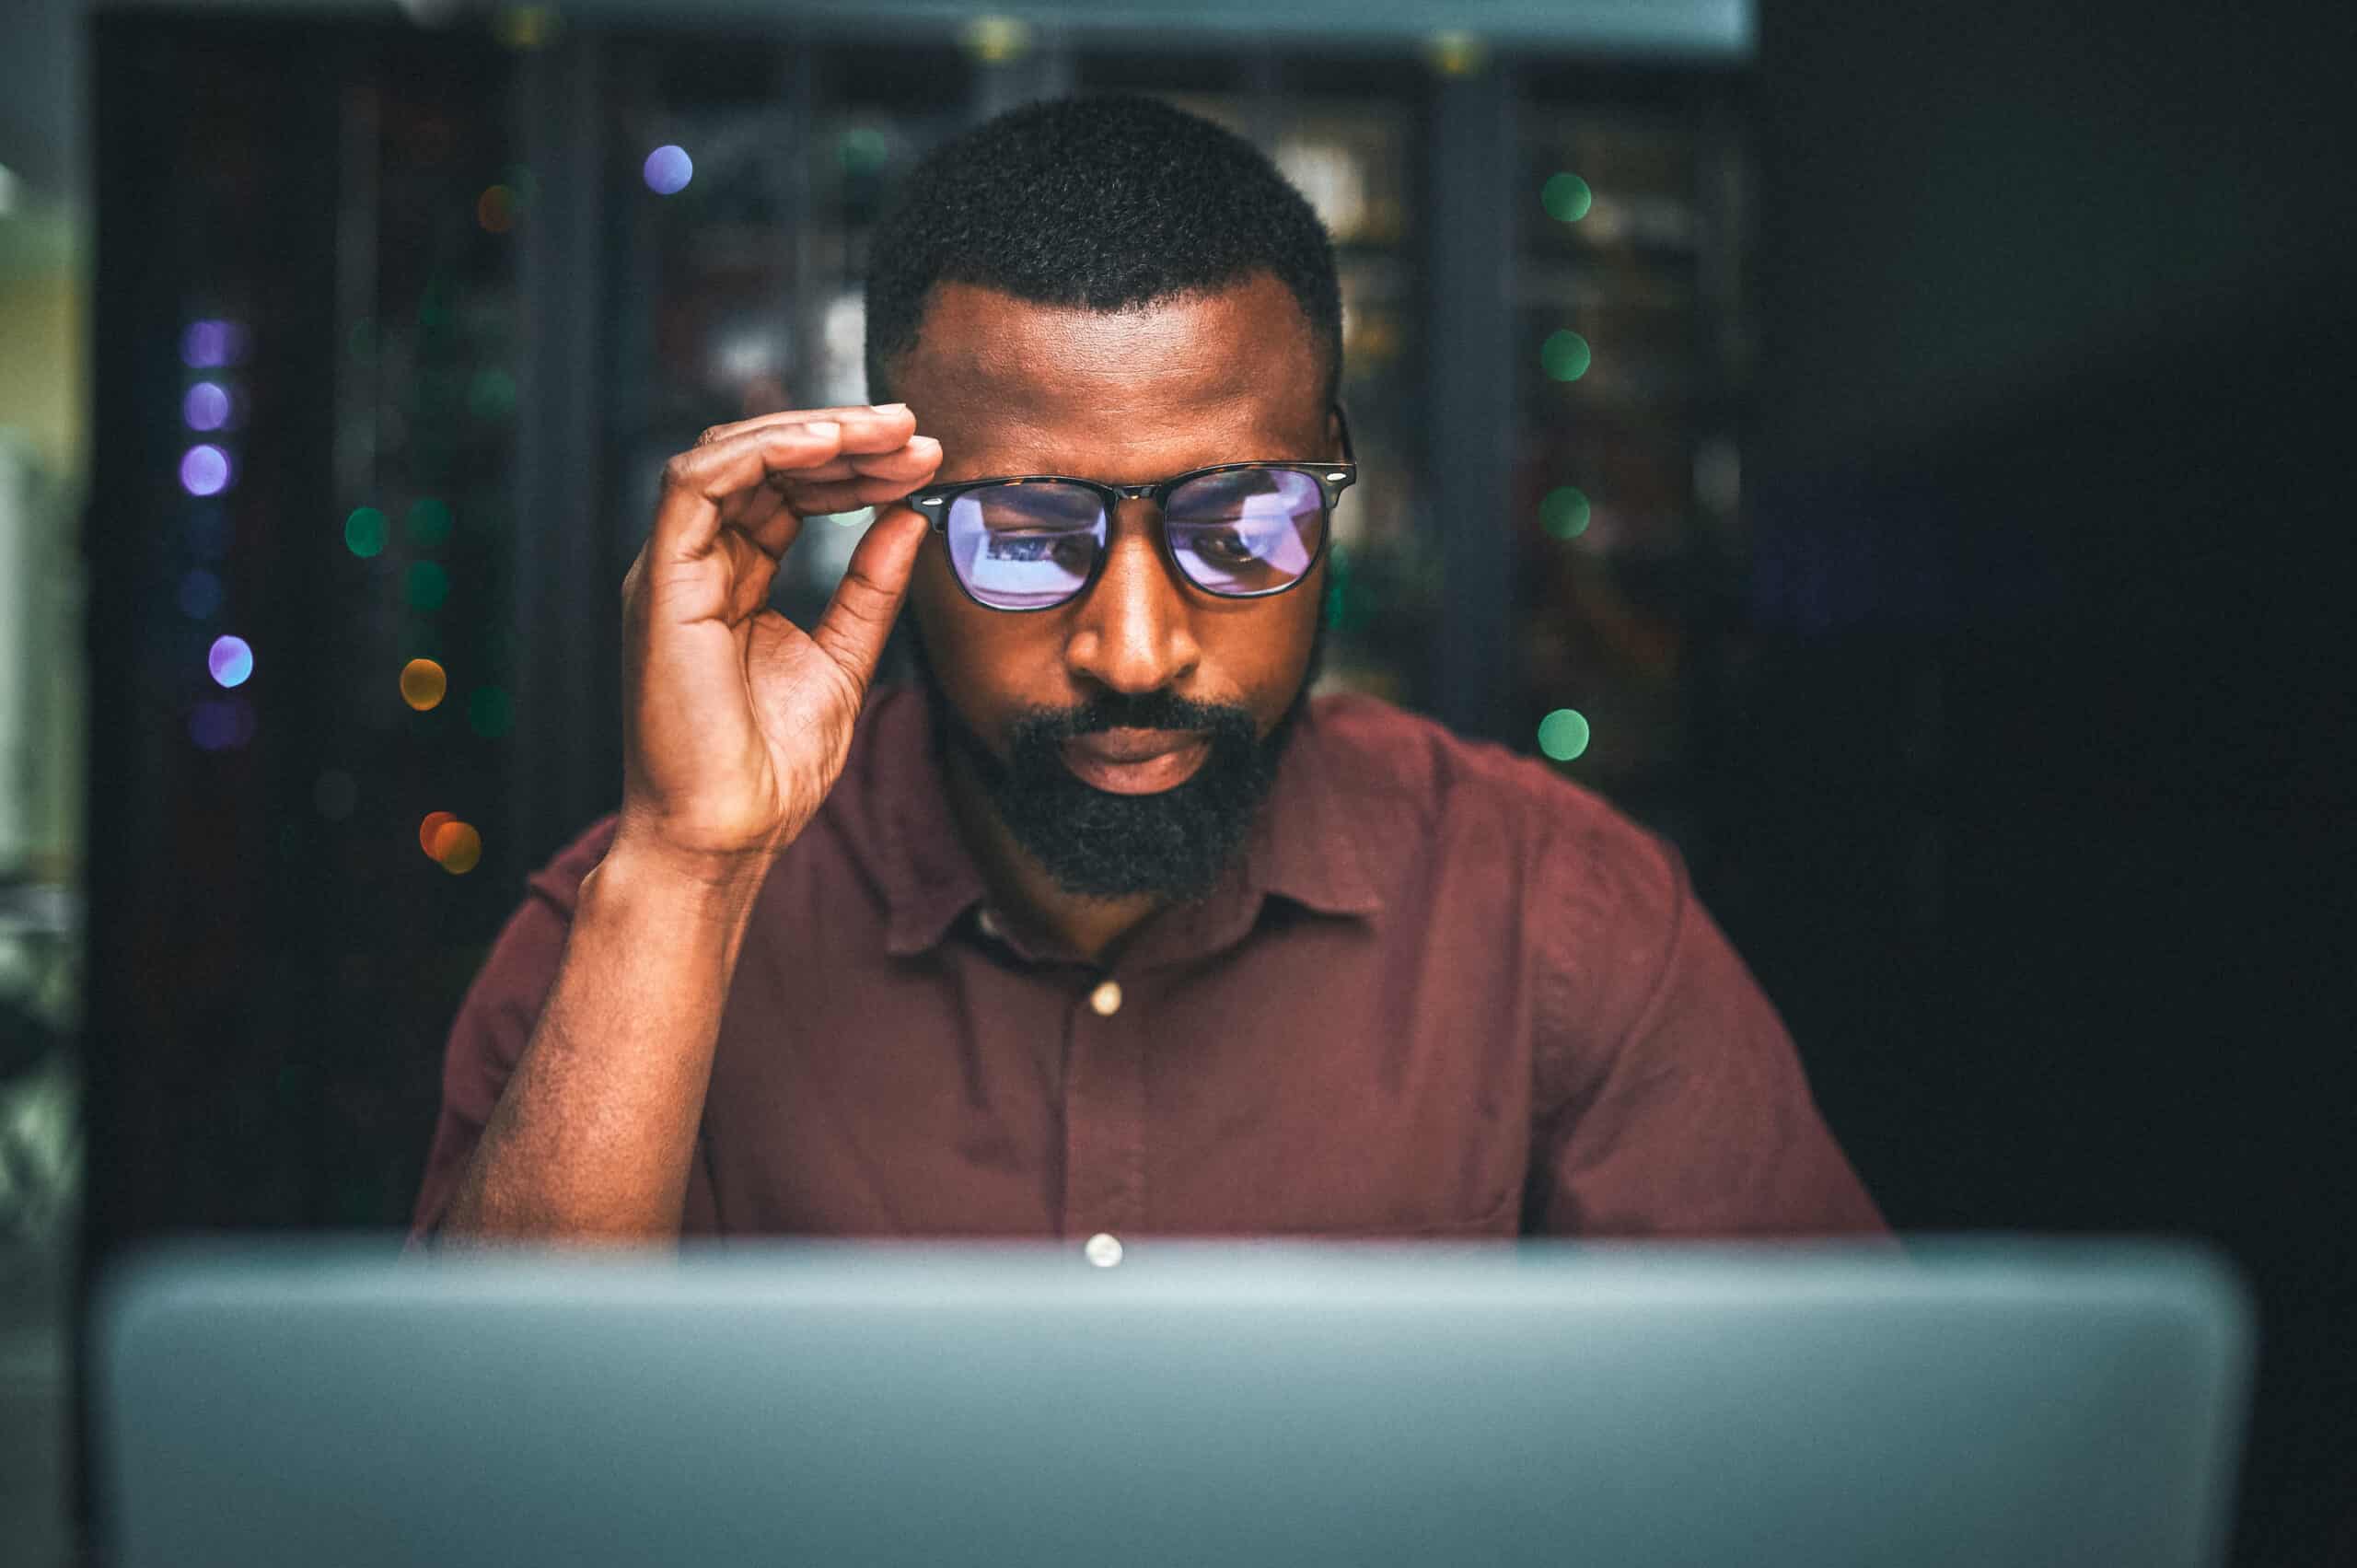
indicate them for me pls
(1106, 202)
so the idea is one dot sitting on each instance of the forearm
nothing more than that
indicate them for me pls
(594, 1132)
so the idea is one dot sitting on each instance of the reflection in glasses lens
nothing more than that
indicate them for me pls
(1248, 532)
(1033, 545)
(1026, 546)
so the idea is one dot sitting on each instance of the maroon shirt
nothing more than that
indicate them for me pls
(1445, 993)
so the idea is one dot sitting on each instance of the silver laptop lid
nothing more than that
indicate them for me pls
(1975, 1404)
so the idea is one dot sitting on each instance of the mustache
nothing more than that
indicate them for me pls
(1140, 709)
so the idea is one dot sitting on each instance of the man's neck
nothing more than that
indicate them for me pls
(1020, 888)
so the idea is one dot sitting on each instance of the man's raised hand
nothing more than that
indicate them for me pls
(735, 721)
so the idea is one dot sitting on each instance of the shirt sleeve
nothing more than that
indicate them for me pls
(496, 1020)
(1670, 1100)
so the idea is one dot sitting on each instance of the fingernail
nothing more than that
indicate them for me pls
(889, 408)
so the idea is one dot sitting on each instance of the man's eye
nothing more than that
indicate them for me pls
(1225, 547)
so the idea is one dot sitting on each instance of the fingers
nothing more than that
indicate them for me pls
(843, 496)
(718, 483)
(915, 461)
(769, 524)
(864, 429)
(771, 516)
(859, 618)
(756, 481)
(695, 482)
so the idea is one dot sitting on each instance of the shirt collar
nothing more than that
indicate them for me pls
(1304, 847)
(929, 879)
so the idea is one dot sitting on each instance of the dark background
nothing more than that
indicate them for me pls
(2059, 337)
(2019, 769)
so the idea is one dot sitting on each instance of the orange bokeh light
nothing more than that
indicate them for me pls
(496, 209)
(423, 683)
(458, 847)
(434, 823)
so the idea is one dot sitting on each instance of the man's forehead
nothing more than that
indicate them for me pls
(980, 352)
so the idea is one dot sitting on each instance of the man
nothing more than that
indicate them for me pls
(1106, 928)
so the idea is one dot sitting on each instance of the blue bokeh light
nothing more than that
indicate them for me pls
(205, 470)
(668, 170)
(207, 345)
(206, 407)
(231, 660)
(219, 722)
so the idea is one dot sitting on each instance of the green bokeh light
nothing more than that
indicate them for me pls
(363, 531)
(1565, 356)
(433, 303)
(1566, 197)
(1346, 602)
(1564, 512)
(863, 149)
(428, 523)
(428, 586)
(1562, 734)
(488, 712)
(491, 394)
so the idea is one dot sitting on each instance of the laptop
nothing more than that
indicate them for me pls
(1195, 1402)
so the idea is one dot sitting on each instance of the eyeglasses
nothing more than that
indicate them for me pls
(1238, 530)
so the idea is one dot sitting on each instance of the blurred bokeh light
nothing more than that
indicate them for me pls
(206, 407)
(1564, 734)
(1566, 197)
(456, 847)
(423, 683)
(205, 470)
(668, 170)
(363, 531)
(1565, 354)
(230, 660)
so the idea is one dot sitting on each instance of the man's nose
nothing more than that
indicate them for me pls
(1134, 632)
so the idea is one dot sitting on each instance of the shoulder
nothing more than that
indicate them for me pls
(1409, 785)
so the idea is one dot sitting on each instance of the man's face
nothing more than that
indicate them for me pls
(1131, 710)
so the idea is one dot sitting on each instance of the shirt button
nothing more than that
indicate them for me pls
(1106, 1000)
(1103, 1250)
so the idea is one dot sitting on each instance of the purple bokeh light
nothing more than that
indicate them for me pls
(207, 345)
(668, 170)
(206, 407)
(231, 660)
(219, 722)
(205, 470)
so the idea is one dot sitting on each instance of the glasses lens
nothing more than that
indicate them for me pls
(1248, 530)
(1025, 546)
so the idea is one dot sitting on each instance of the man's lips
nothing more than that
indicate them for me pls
(1136, 762)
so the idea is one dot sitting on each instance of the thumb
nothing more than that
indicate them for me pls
(859, 617)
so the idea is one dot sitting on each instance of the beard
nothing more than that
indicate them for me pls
(1175, 844)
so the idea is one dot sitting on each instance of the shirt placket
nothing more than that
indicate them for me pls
(1104, 1118)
